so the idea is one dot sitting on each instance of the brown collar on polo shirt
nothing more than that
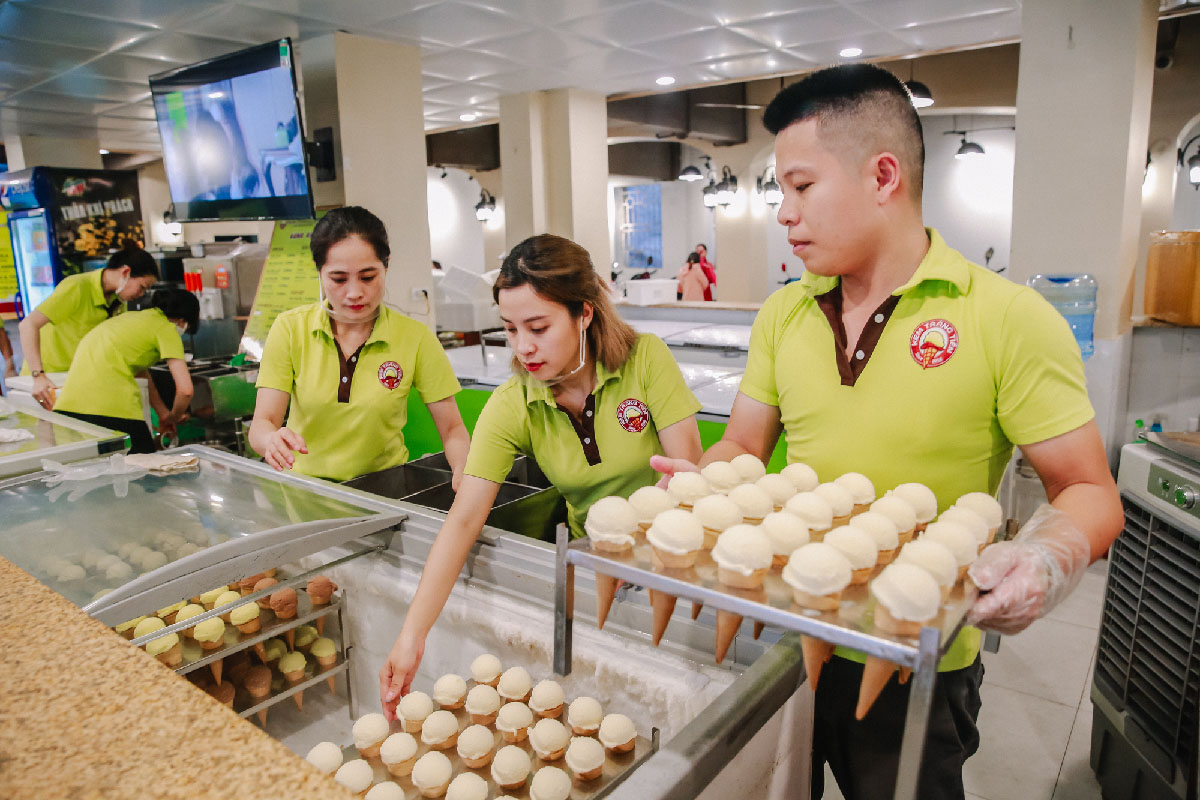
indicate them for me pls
(850, 368)
(347, 371)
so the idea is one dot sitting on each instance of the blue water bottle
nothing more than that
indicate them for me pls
(1073, 296)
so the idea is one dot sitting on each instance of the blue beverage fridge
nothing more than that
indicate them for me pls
(63, 221)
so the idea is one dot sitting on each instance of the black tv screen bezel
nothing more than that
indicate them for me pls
(231, 65)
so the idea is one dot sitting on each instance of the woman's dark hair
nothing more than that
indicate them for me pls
(141, 264)
(693, 258)
(342, 223)
(561, 271)
(178, 304)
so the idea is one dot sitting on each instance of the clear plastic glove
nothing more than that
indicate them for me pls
(1022, 580)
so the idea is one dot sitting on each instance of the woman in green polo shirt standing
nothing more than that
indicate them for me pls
(51, 332)
(101, 387)
(346, 366)
(591, 401)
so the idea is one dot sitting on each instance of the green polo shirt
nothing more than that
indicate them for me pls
(351, 411)
(102, 376)
(607, 451)
(954, 369)
(74, 307)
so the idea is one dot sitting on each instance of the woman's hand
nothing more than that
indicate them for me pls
(43, 391)
(396, 675)
(280, 446)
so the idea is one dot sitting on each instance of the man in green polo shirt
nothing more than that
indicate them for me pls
(896, 358)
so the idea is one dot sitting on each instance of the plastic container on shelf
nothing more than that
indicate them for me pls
(1173, 277)
(1073, 296)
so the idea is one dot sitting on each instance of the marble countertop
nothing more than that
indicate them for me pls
(83, 714)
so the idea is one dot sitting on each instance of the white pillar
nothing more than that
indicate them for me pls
(382, 131)
(1083, 112)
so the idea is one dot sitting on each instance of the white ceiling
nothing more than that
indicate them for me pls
(78, 68)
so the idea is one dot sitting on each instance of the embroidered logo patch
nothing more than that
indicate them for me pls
(633, 415)
(390, 374)
(933, 342)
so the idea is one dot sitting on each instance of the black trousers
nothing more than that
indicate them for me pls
(865, 756)
(136, 429)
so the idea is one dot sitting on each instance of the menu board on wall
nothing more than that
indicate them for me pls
(288, 280)
(8, 269)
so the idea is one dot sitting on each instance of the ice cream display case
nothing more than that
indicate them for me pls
(29, 435)
(122, 542)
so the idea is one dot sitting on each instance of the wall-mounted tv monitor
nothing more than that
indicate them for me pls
(233, 138)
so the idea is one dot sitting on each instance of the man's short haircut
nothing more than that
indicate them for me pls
(861, 110)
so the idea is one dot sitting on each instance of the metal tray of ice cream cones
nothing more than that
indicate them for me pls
(616, 766)
(851, 625)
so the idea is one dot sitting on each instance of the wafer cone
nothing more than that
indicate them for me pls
(325, 663)
(727, 627)
(696, 609)
(217, 668)
(663, 605)
(758, 628)
(816, 653)
(260, 651)
(606, 590)
(876, 673)
(262, 717)
(173, 657)
(905, 674)
(290, 635)
(293, 678)
(321, 625)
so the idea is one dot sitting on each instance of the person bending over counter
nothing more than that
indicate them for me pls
(52, 332)
(590, 400)
(101, 386)
(347, 364)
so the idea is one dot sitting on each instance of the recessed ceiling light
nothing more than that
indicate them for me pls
(215, 95)
(103, 152)
(468, 117)
(665, 80)
(851, 52)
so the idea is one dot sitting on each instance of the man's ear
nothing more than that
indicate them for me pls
(886, 174)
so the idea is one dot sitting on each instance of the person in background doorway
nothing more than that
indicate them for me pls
(50, 334)
(693, 283)
(101, 387)
(710, 270)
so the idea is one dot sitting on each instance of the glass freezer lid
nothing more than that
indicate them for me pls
(109, 539)
(52, 431)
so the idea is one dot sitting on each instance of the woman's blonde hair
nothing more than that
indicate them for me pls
(561, 271)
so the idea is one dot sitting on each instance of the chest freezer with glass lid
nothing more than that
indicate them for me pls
(124, 545)
(56, 437)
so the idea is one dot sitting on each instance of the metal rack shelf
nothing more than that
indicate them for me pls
(317, 677)
(851, 626)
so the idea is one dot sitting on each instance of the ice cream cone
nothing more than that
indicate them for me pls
(816, 653)
(904, 675)
(696, 610)
(324, 663)
(173, 657)
(861, 576)
(962, 572)
(758, 628)
(886, 557)
(727, 627)
(876, 674)
(253, 626)
(260, 651)
(262, 717)
(258, 685)
(606, 590)
(320, 623)
(217, 668)
(666, 560)
(735, 579)
(779, 562)
(840, 521)
(817, 602)
(905, 536)
(294, 678)
(710, 538)
(663, 605)
(290, 635)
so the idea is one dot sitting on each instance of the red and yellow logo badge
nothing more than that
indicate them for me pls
(390, 374)
(933, 342)
(633, 415)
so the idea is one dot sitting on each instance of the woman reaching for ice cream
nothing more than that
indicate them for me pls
(590, 400)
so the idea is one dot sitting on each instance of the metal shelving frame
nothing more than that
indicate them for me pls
(921, 658)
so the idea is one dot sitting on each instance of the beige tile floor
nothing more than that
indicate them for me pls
(1035, 725)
